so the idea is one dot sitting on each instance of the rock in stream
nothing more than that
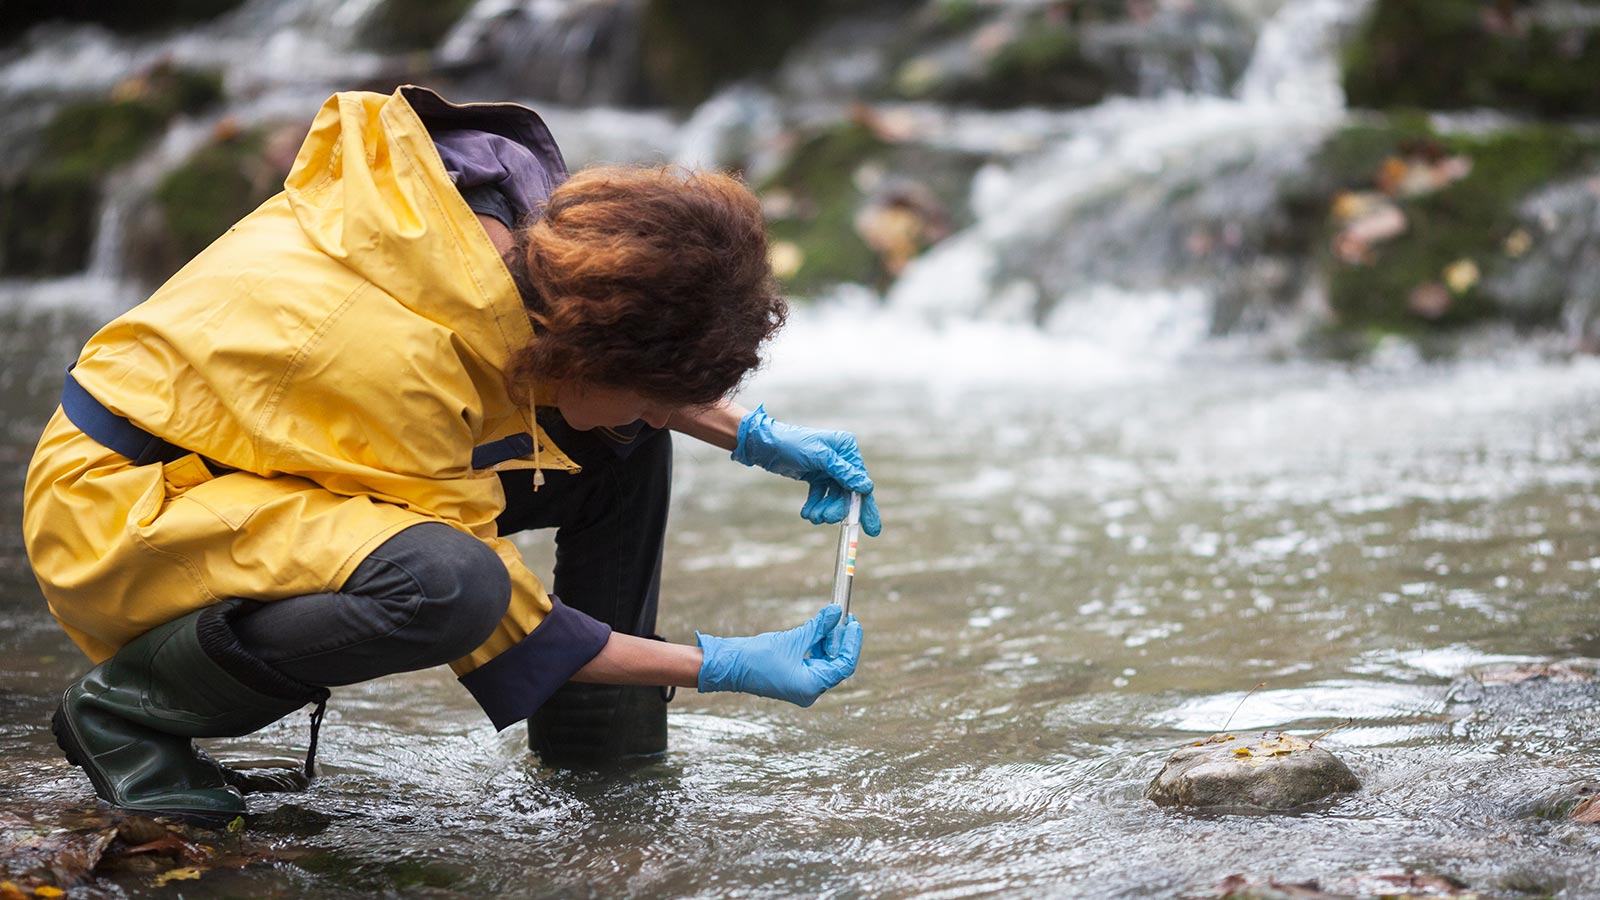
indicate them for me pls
(1273, 772)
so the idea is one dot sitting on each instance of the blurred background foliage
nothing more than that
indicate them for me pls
(1452, 179)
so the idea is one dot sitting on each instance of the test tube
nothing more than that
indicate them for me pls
(844, 571)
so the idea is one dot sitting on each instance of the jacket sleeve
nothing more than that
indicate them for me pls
(537, 647)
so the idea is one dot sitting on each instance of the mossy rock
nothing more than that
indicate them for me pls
(820, 185)
(197, 202)
(49, 206)
(1040, 62)
(689, 48)
(20, 15)
(1471, 219)
(1461, 54)
(400, 25)
(1045, 66)
(819, 177)
(47, 221)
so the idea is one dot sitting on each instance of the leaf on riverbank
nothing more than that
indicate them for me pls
(36, 856)
(1587, 812)
(76, 848)
(186, 873)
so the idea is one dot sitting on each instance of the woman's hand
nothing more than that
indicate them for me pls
(795, 665)
(829, 461)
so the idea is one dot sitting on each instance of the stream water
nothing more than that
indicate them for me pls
(1088, 558)
(1102, 528)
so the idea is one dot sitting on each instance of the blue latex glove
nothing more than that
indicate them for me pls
(791, 665)
(829, 461)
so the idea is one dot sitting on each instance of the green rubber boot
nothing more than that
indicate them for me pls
(129, 721)
(594, 725)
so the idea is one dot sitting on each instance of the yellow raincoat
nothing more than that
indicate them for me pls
(343, 348)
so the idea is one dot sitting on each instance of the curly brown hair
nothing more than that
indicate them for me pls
(652, 279)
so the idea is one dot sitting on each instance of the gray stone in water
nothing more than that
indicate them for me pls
(1274, 772)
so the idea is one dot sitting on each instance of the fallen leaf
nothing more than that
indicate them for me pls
(1587, 812)
(186, 873)
(167, 845)
(1518, 243)
(46, 890)
(1382, 222)
(1461, 276)
(1430, 300)
(140, 830)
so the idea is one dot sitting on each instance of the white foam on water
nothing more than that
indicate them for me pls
(1104, 336)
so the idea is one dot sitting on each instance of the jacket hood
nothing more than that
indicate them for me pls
(368, 188)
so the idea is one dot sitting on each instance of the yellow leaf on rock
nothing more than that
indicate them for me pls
(48, 891)
(1242, 751)
(185, 873)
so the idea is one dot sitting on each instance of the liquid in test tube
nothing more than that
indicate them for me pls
(844, 572)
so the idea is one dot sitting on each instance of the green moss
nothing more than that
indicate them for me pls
(49, 208)
(398, 25)
(820, 179)
(47, 222)
(198, 201)
(948, 18)
(98, 134)
(820, 183)
(1469, 219)
(691, 47)
(1443, 55)
(94, 135)
(1044, 66)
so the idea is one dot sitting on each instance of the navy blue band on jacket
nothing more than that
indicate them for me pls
(496, 452)
(513, 685)
(111, 430)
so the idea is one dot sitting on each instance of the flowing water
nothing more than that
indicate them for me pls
(1088, 558)
(1103, 527)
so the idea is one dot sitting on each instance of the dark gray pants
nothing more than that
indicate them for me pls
(432, 594)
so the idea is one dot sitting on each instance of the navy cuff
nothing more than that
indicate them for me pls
(512, 686)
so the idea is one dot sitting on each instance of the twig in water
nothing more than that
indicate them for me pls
(1313, 741)
(1259, 686)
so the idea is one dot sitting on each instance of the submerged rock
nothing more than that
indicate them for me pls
(1274, 772)
(1388, 884)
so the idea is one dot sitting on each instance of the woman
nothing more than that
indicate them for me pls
(293, 467)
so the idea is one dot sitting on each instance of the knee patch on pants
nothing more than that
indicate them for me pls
(449, 584)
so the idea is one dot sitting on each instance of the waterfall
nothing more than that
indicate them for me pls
(1296, 56)
(1155, 201)
(576, 53)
